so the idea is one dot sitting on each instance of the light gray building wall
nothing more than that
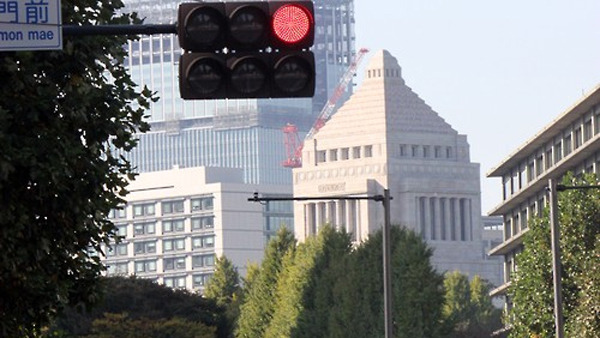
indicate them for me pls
(385, 136)
(176, 222)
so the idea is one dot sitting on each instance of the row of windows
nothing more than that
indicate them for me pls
(168, 264)
(516, 221)
(168, 245)
(425, 151)
(168, 208)
(177, 282)
(378, 73)
(168, 226)
(546, 157)
(333, 155)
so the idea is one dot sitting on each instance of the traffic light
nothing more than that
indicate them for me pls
(246, 49)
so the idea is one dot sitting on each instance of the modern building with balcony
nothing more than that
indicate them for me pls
(176, 223)
(570, 143)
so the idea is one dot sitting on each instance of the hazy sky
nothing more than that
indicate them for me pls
(497, 71)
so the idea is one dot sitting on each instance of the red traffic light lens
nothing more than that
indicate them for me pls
(291, 23)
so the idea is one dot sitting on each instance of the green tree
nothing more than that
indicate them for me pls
(457, 309)
(257, 308)
(224, 284)
(468, 310)
(252, 273)
(133, 301)
(61, 113)
(486, 318)
(531, 285)
(120, 325)
(304, 288)
(417, 290)
(224, 289)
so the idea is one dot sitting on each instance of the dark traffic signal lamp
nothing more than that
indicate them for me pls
(246, 50)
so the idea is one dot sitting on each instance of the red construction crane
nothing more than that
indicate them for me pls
(293, 145)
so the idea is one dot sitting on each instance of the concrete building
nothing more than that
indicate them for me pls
(385, 136)
(571, 142)
(243, 133)
(176, 222)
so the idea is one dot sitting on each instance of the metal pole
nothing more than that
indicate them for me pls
(387, 278)
(556, 264)
(84, 30)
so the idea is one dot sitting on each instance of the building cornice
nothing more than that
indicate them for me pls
(547, 133)
(557, 171)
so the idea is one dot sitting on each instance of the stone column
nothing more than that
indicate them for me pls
(427, 214)
(331, 213)
(437, 218)
(463, 219)
(350, 220)
(341, 214)
(456, 219)
(309, 212)
(447, 220)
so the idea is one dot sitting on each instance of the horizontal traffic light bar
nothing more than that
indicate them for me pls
(245, 26)
(246, 75)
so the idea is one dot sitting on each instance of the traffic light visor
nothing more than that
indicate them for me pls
(202, 27)
(249, 27)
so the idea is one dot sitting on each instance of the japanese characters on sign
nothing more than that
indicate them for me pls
(30, 25)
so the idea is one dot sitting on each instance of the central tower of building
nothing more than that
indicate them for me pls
(385, 136)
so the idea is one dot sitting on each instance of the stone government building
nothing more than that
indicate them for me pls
(385, 136)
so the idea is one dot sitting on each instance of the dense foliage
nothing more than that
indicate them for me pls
(132, 304)
(224, 288)
(325, 288)
(257, 308)
(224, 284)
(468, 309)
(531, 287)
(60, 111)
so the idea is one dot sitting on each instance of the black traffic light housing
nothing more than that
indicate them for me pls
(246, 49)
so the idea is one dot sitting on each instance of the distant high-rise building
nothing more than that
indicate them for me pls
(385, 136)
(243, 133)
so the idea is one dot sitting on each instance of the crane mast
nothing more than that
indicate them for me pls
(292, 142)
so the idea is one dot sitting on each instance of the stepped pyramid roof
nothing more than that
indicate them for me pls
(384, 104)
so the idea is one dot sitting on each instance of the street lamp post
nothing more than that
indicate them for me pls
(553, 189)
(556, 273)
(386, 249)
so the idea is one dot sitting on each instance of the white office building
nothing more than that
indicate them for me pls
(176, 222)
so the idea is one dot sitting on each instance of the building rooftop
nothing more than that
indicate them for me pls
(548, 133)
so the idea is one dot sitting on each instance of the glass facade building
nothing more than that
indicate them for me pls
(241, 133)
